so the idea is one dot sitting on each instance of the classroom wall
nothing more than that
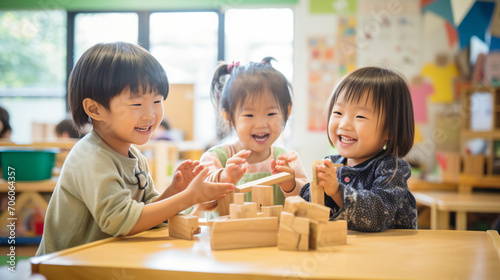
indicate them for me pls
(309, 145)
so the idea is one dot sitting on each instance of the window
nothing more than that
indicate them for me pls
(93, 28)
(185, 43)
(32, 68)
(252, 34)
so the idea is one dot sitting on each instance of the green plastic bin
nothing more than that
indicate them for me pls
(30, 164)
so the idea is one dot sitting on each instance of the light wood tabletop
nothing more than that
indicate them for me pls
(444, 202)
(392, 254)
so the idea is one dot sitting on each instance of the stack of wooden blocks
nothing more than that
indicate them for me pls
(300, 225)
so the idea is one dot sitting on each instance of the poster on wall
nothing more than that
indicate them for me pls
(388, 35)
(330, 57)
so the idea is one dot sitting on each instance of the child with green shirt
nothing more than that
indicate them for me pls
(104, 188)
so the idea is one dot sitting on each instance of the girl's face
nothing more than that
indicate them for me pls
(258, 123)
(131, 119)
(356, 130)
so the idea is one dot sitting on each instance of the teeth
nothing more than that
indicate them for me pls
(347, 140)
(261, 136)
(142, 128)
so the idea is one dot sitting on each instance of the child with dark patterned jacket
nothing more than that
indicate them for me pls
(371, 125)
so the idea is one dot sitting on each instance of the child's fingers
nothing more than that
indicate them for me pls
(243, 153)
(236, 160)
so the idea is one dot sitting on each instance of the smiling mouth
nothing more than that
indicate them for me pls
(143, 129)
(261, 137)
(347, 140)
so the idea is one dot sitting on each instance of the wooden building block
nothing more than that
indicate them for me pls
(299, 207)
(293, 233)
(244, 233)
(317, 192)
(239, 198)
(266, 181)
(327, 234)
(242, 211)
(183, 226)
(262, 195)
(272, 211)
(223, 204)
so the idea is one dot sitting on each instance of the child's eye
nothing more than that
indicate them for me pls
(272, 114)
(360, 117)
(248, 115)
(337, 113)
(135, 105)
(158, 102)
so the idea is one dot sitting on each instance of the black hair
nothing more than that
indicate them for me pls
(67, 126)
(232, 85)
(106, 69)
(5, 120)
(391, 97)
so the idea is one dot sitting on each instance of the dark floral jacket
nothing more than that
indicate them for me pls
(375, 195)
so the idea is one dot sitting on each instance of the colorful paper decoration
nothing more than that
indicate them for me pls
(419, 95)
(441, 8)
(476, 22)
(442, 79)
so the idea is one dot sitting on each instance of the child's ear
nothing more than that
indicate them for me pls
(225, 115)
(93, 109)
(289, 110)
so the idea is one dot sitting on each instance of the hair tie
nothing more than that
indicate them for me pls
(230, 66)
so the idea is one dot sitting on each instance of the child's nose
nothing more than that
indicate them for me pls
(148, 113)
(345, 124)
(260, 122)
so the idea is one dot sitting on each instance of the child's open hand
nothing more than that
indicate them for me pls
(282, 164)
(201, 191)
(235, 167)
(184, 174)
(327, 178)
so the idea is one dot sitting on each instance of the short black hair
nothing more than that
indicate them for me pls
(5, 120)
(106, 69)
(67, 126)
(391, 97)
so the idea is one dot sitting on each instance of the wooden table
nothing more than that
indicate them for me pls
(444, 202)
(392, 254)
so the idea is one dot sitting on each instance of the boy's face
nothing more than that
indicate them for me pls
(356, 130)
(258, 123)
(131, 119)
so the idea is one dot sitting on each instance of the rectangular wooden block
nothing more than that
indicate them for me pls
(266, 181)
(299, 207)
(272, 211)
(242, 211)
(293, 233)
(262, 195)
(183, 226)
(327, 234)
(223, 204)
(317, 192)
(239, 198)
(244, 233)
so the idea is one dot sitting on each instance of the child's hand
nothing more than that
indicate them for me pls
(200, 191)
(282, 164)
(184, 174)
(327, 178)
(235, 167)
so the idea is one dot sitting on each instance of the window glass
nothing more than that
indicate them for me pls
(269, 34)
(93, 28)
(185, 43)
(32, 68)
